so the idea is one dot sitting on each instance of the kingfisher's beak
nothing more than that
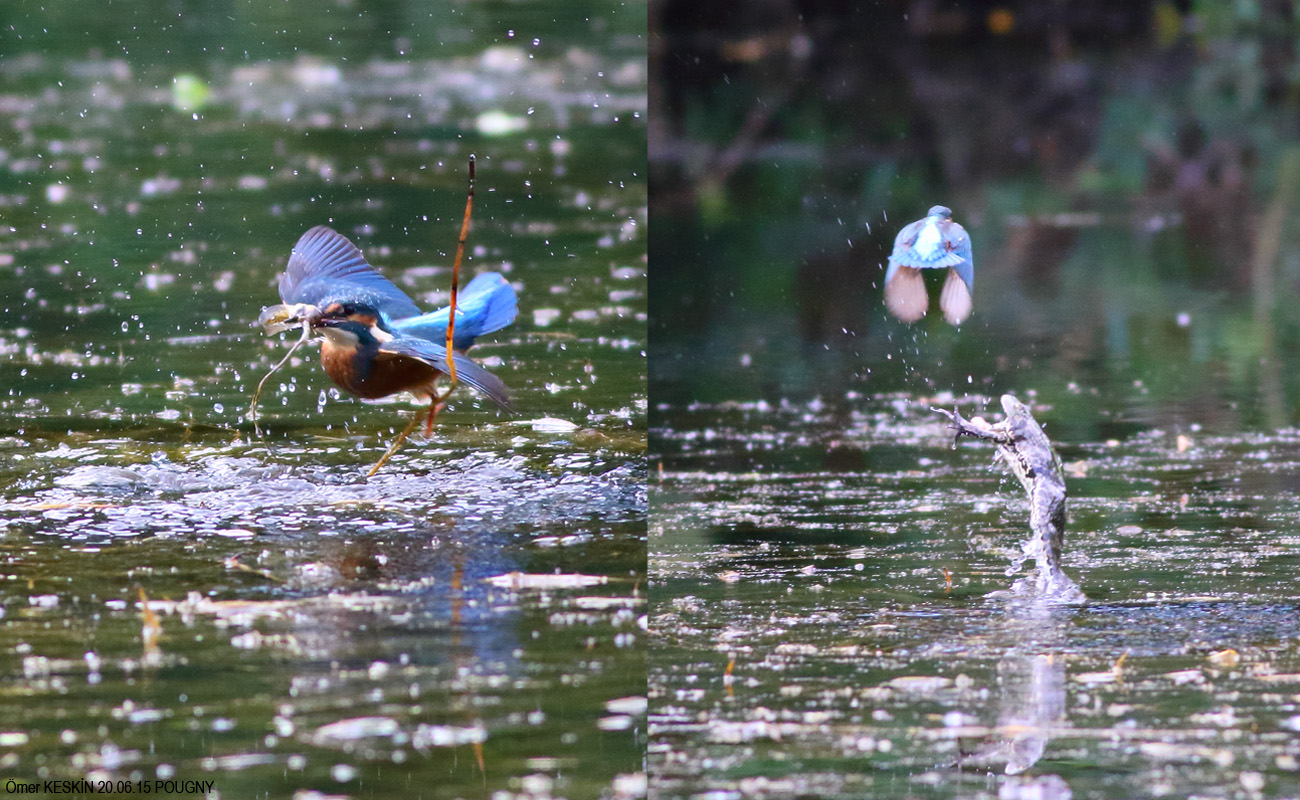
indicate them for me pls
(283, 317)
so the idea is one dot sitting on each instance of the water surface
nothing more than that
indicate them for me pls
(826, 619)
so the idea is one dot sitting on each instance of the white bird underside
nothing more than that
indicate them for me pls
(906, 298)
(929, 242)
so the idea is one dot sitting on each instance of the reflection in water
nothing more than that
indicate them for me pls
(364, 635)
(1033, 698)
(1031, 686)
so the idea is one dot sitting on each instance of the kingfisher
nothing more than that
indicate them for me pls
(375, 341)
(931, 243)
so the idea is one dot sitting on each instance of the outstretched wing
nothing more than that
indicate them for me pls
(486, 304)
(467, 371)
(958, 243)
(902, 256)
(326, 268)
(950, 249)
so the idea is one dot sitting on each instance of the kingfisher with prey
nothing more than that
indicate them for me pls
(375, 341)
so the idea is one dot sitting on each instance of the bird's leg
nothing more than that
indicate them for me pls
(393, 447)
(435, 405)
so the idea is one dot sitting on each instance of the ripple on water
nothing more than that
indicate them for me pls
(220, 493)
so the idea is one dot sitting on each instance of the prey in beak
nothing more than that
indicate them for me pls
(276, 319)
(285, 317)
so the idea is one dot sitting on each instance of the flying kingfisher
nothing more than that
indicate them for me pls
(931, 243)
(375, 341)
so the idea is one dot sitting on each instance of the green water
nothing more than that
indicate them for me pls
(320, 631)
(825, 619)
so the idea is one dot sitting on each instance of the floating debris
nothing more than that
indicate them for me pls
(499, 123)
(920, 684)
(520, 581)
(348, 730)
(551, 425)
(1028, 453)
(1224, 658)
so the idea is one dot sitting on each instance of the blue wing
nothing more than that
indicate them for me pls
(326, 268)
(901, 255)
(467, 371)
(956, 236)
(954, 252)
(486, 304)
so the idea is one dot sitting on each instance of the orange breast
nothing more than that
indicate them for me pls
(384, 374)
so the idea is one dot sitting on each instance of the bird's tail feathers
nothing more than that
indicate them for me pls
(486, 304)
